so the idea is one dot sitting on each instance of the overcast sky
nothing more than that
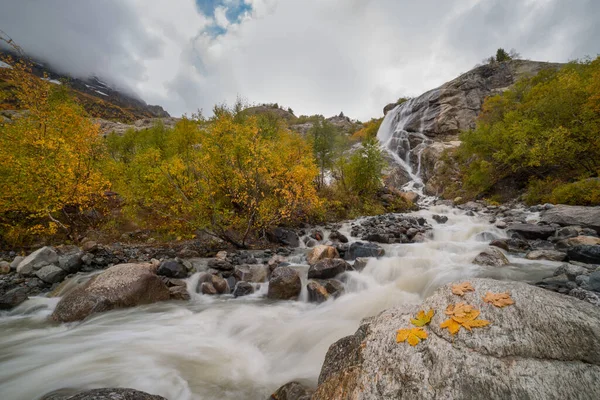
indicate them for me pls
(315, 56)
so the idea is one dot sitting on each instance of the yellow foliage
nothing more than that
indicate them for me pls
(498, 299)
(48, 157)
(462, 315)
(422, 318)
(461, 288)
(413, 335)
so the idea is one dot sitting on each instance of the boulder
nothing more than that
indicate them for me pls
(220, 264)
(292, 391)
(36, 260)
(15, 262)
(520, 355)
(207, 288)
(172, 268)
(179, 292)
(328, 268)
(283, 236)
(51, 274)
(71, 262)
(285, 284)
(585, 254)
(321, 252)
(105, 394)
(338, 237)
(491, 256)
(220, 284)
(594, 281)
(577, 241)
(363, 249)
(585, 295)
(4, 267)
(563, 215)
(440, 219)
(120, 286)
(500, 243)
(571, 271)
(316, 292)
(251, 273)
(13, 298)
(551, 255)
(360, 263)
(531, 231)
(242, 289)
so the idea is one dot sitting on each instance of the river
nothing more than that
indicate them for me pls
(245, 348)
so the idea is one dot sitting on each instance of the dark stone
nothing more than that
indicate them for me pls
(440, 219)
(172, 269)
(105, 394)
(328, 268)
(220, 264)
(292, 391)
(585, 254)
(13, 298)
(317, 293)
(594, 281)
(71, 262)
(500, 243)
(207, 288)
(337, 236)
(334, 287)
(243, 289)
(285, 284)
(531, 231)
(362, 249)
(283, 236)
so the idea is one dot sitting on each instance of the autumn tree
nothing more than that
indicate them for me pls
(326, 142)
(232, 176)
(48, 158)
(363, 170)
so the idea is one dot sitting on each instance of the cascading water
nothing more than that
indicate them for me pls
(405, 147)
(244, 348)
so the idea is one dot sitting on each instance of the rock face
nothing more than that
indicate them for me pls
(588, 217)
(121, 286)
(285, 284)
(518, 356)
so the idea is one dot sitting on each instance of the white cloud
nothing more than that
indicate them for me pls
(316, 56)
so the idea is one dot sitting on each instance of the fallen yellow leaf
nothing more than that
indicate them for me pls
(461, 288)
(422, 318)
(413, 335)
(498, 299)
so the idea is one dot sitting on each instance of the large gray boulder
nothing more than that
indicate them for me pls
(104, 394)
(587, 217)
(51, 274)
(36, 260)
(120, 286)
(545, 346)
(492, 256)
(532, 231)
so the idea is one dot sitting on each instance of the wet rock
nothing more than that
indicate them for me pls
(275, 262)
(337, 236)
(328, 268)
(531, 231)
(585, 254)
(310, 243)
(594, 281)
(551, 255)
(173, 268)
(317, 234)
(242, 289)
(36, 260)
(292, 391)
(334, 287)
(104, 394)
(220, 264)
(207, 288)
(321, 252)
(568, 231)
(440, 219)
(371, 365)
(316, 292)
(285, 284)
(13, 298)
(220, 284)
(577, 241)
(179, 293)
(501, 224)
(120, 286)
(360, 263)
(588, 217)
(390, 228)
(518, 245)
(491, 256)
(51, 274)
(363, 250)
(486, 236)
(283, 236)
(571, 271)
(251, 273)
(500, 243)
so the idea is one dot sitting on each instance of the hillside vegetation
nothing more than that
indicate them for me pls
(542, 137)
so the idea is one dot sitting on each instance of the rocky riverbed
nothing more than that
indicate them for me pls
(243, 323)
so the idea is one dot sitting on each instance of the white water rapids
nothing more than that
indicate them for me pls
(225, 348)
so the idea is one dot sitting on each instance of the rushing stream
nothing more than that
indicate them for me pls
(225, 348)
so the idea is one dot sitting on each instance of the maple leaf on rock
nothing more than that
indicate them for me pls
(422, 318)
(498, 299)
(461, 288)
(413, 335)
(463, 315)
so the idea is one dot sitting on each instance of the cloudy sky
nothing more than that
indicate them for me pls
(316, 56)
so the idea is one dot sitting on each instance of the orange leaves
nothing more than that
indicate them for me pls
(498, 299)
(412, 335)
(462, 315)
(422, 318)
(461, 288)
